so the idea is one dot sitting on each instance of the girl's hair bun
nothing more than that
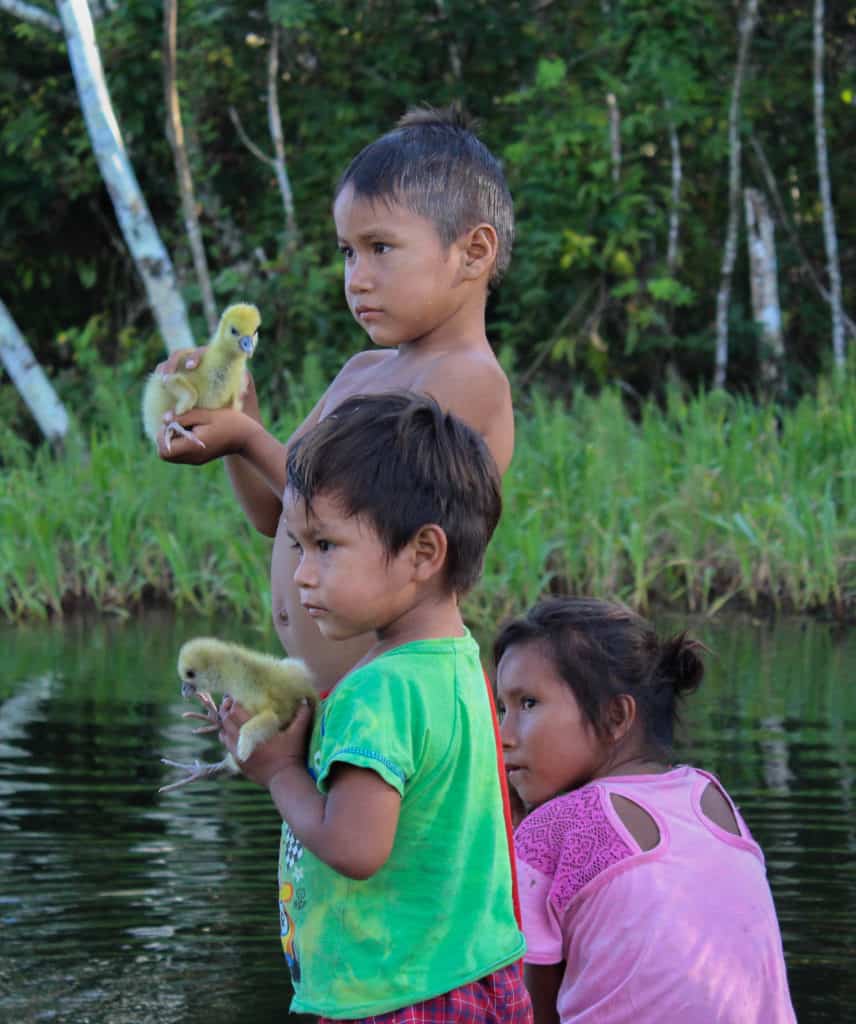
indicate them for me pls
(680, 665)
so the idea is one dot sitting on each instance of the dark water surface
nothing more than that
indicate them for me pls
(121, 905)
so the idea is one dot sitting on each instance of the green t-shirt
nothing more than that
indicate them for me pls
(439, 913)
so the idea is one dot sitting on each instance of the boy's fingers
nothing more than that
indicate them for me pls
(303, 715)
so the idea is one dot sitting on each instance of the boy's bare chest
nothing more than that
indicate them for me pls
(388, 374)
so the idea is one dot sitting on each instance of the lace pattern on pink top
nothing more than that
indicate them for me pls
(571, 840)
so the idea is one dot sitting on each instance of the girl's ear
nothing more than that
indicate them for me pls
(480, 247)
(621, 716)
(429, 547)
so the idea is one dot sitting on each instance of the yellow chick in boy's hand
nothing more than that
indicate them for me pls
(271, 689)
(215, 383)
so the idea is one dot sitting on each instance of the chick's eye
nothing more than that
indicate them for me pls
(190, 674)
(234, 331)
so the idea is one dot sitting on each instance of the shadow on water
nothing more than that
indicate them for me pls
(118, 904)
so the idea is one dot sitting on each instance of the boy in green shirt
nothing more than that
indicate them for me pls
(395, 877)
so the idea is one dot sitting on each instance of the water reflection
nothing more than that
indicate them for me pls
(118, 904)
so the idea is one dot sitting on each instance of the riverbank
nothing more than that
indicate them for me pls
(706, 502)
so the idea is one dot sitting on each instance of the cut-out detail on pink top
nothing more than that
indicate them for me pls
(541, 841)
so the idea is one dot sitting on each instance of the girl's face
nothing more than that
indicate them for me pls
(550, 747)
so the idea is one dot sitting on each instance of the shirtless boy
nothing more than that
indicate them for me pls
(425, 224)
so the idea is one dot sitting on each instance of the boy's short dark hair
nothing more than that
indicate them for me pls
(433, 164)
(397, 460)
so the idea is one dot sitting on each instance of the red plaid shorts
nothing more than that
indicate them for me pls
(500, 998)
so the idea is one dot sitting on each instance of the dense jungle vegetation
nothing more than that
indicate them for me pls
(612, 122)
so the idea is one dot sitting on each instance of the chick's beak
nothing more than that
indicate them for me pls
(247, 344)
(187, 689)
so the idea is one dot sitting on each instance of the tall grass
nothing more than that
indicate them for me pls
(704, 501)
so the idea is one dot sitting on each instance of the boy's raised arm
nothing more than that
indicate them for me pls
(255, 459)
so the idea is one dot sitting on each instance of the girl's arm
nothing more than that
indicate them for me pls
(543, 981)
(351, 828)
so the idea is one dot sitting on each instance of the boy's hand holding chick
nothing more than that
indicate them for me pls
(271, 690)
(212, 378)
(288, 747)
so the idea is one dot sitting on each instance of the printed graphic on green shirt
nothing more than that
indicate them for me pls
(290, 898)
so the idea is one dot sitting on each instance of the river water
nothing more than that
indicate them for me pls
(118, 904)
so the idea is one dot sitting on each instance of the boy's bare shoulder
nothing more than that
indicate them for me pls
(479, 365)
(469, 382)
(473, 386)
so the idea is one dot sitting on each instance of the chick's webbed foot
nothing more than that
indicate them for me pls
(174, 427)
(198, 771)
(211, 716)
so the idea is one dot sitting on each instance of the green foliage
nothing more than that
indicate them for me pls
(706, 501)
(589, 287)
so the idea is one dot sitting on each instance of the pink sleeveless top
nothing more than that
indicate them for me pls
(685, 932)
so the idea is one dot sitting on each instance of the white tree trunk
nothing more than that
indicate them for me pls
(30, 380)
(275, 128)
(141, 235)
(614, 112)
(614, 135)
(675, 196)
(175, 134)
(829, 234)
(763, 274)
(747, 26)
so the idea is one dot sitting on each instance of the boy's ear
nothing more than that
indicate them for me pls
(429, 546)
(480, 246)
(621, 716)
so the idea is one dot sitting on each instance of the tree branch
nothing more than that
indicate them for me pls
(830, 237)
(175, 135)
(747, 26)
(32, 14)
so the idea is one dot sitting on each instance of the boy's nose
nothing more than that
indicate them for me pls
(358, 280)
(303, 574)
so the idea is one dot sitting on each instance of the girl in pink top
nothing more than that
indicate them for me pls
(644, 896)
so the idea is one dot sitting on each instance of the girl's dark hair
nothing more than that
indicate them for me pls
(402, 462)
(603, 650)
(433, 164)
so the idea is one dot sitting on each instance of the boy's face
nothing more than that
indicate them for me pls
(401, 283)
(348, 583)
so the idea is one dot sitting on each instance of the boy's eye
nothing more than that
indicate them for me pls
(527, 703)
(380, 247)
(346, 251)
(324, 545)
(500, 710)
